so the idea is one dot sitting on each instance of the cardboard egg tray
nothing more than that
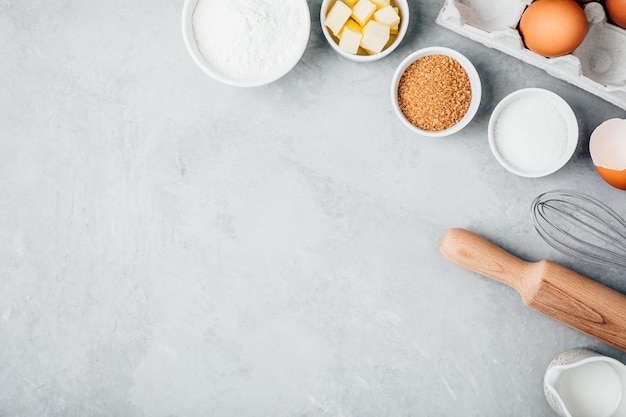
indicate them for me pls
(598, 65)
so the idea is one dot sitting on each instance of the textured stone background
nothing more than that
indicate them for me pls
(171, 246)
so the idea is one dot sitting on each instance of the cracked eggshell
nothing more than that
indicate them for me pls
(607, 147)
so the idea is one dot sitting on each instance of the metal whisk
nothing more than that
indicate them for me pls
(581, 226)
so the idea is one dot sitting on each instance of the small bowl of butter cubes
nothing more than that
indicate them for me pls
(364, 30)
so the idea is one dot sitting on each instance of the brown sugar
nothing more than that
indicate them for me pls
(434, 93)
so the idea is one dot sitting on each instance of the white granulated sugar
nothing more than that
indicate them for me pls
(247, 39)
(531, 134)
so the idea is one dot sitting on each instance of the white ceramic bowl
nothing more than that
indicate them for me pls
(300, 41)
(549, 164)
(474, 82)
(403, 7)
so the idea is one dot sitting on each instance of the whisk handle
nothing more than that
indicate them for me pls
(477, 254)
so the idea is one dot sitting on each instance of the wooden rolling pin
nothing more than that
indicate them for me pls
(550, 288)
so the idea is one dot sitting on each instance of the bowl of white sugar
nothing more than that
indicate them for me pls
(246, 43)
(533, 132)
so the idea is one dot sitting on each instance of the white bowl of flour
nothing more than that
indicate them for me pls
(246, 43)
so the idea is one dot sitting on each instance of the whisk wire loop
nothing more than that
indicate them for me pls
(581, 227)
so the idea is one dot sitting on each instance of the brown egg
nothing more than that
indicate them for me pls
(616, 10)
(553, 27)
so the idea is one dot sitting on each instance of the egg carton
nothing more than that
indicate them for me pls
(598, 65)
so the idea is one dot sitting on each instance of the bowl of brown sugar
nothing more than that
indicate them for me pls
(436, 91)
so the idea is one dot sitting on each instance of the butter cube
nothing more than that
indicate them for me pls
(350, 37)
(394, 30)
(375, 37)
(337, 16)
(350, 3)
(387, 16)
(363, 11)
(381, 3)
(353, 25)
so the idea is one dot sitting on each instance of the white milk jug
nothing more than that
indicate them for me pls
(584, 383)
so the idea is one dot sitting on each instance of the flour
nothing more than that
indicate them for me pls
(531, 134)
(247, 39)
